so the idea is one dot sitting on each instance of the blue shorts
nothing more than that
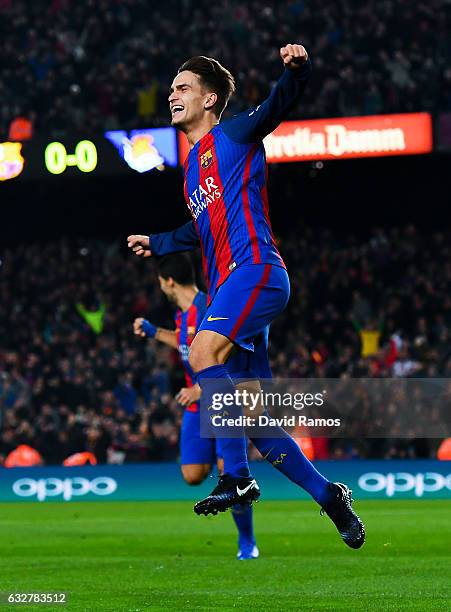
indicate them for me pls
(247, 302)
(246, 364)
(193, 448)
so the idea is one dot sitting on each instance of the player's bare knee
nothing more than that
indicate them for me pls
(201, 356)
(194, 474)
(208, 349)
(198, 358)
(193, 479)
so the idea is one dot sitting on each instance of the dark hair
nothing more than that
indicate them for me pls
(212, 76)
(177, 266)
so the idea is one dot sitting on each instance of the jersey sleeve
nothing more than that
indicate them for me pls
(254, 124)
(184, 238)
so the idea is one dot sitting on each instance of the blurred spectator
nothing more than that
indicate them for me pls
(125, 393)
(85, 458)
(94, 318)
(369, 335)
(23, 456)
(20, 128)
(444, 450)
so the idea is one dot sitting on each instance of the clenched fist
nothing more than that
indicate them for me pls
(137, 327)
(144, 328)
(139, 244)
(294, 56)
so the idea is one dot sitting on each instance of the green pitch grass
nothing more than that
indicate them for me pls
(160, 556)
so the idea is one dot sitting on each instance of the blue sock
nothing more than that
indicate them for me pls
(243, 517)
(216, 379)
(286, 456)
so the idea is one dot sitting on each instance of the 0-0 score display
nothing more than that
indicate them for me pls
(57, 159)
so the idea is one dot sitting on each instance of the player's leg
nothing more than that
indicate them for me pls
(195, 473)
(282, 451)
(197, 454)
(243, 516)
(244, 521)
(251, 298)
(237, 304)
(197, 457)
(273, 443)
(208, 352)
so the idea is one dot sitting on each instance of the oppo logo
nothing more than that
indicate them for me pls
(66, 487)
(402, 482)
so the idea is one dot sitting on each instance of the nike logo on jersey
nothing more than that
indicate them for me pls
(242, 492)
(210, 318)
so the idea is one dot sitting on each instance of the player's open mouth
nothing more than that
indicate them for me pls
(178, 108)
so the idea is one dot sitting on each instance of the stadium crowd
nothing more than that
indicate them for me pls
(91, 65)
(74, 378)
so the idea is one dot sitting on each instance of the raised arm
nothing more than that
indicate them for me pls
(184, 238)
(254, 124)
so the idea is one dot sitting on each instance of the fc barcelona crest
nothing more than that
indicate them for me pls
(206, 159)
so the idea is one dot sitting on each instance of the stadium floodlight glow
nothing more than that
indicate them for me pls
(57, 159)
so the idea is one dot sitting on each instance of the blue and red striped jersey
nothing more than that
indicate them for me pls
(186, 325)
(225, 188)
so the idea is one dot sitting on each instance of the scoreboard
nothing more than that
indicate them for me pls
(57, 159)
(115, 152)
